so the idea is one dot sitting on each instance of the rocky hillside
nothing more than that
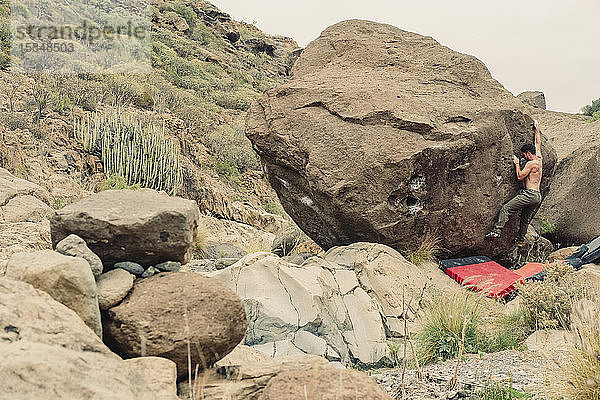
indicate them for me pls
(206, 71)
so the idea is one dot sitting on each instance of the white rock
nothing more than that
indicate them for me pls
(309, 343)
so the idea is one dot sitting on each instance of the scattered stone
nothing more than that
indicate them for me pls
(142, 226)
(150, 272)
(48, 352)
(223, 263)
(69, 280)
(162, 311)
(131, 267)
(415, 174)
(327, 384)
(169, 266)
(113, 286)
(75, 246)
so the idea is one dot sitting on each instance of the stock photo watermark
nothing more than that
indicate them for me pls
(79, 36)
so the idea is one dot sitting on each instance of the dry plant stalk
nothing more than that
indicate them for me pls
(460, 353)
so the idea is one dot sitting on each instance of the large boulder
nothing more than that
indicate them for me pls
(341, 305)
(570, 203)
(329, 384)
(533, 98)
(387, 136)
(165, 313)
(143, 226)
(69, 280)
(47, 351)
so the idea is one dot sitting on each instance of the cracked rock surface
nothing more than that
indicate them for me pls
(385, 136)
(342, 305)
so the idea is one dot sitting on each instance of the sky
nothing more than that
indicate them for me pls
(547, 45)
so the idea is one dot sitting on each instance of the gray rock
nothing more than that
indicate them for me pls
(75, 246)
(131, 267)
(216, 250)
(533, 98)
(223, 263)
(169, 266)
(113, 286)
(149, 272)
(310, 344)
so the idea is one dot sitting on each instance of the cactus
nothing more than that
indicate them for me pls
(140, 152)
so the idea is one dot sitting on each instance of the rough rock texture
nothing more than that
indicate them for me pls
(75, 246)
(68, 280)
(533, 98)
(549, 339)
(113, 286)
(326, 385)
(48, 352)
(572, 204)
(24, 212)
(571, 201)
(339, 305)
(561, 254)
(241, 236)
(245, 379)
(156, 316)
(134, 225)
(384, 135)
(159, 373)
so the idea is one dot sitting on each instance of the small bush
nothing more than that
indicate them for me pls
(595, 116)
(547, 303)
(547, 227)
(441, 334)
(232, 149)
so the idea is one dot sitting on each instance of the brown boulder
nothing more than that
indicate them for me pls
(131, 225)
(328, 384)
(162, 312)
(384, 135)
(48, 352)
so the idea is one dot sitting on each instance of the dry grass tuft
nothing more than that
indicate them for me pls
(427, 251)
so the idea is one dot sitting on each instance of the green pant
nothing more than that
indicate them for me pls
(525, 201)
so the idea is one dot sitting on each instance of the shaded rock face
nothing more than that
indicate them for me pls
(48, 352)
(384, 135)
(163, 311)
(130, 225)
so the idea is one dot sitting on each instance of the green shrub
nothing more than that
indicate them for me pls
(589, 110)
(547, 227)
(595, 116)
(427, 251)
(230, 147)
(547, 304)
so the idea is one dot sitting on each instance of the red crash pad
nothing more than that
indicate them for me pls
(529, 270)
(490, 278)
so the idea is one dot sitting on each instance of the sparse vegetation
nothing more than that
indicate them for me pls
(138, 151)
(427, 251)
(499, 391)
(117, 182)
(591, 109)
(547, 227)
(580, 377)
(547, 303)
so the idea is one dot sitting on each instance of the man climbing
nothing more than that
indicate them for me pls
(528, 198)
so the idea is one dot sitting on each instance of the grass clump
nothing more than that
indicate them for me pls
(547, 304)
(580, 376)
(440, 337)
(117, 182)
(499, 391)
(427, 251)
